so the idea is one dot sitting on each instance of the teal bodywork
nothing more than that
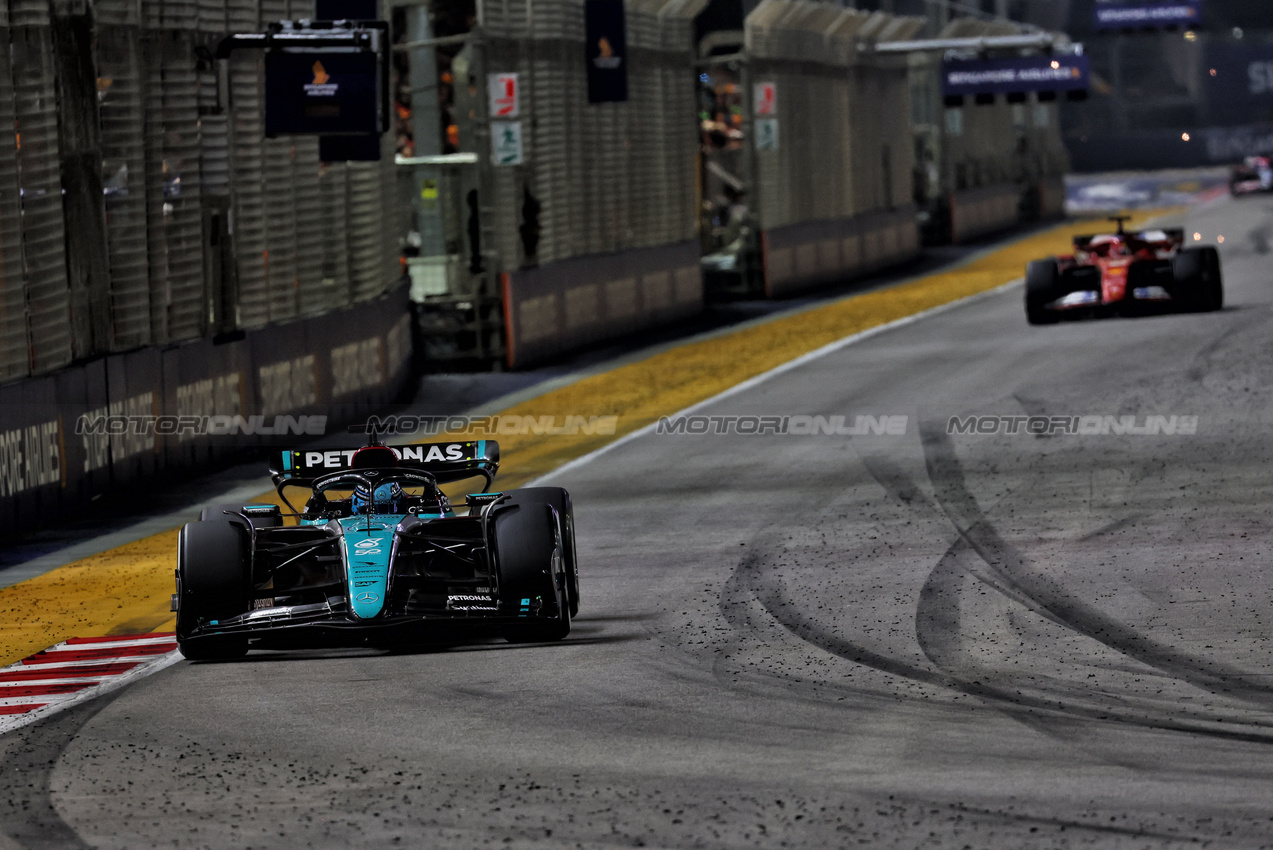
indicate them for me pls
(368, 546)
(368, 543)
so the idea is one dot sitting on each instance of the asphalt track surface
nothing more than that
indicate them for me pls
(925, 639)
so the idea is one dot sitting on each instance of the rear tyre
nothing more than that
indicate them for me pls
(1197, 280)
(528, 554)
(213, 585)
(1140, 275)
(559, 499)
(1042, 287)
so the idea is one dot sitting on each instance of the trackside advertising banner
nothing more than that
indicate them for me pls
(605, 26)
(565, 305)
(1117, 16)
(310, 93)
(1014, 74)
(90, 430)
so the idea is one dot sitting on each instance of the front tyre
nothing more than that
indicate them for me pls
(212, 586)
(1042, 287)
(1196, 279)
(532, 586)
(559, 500)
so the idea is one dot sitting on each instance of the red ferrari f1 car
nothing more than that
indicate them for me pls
(1124, 273)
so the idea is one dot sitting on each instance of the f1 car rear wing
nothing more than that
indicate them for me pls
(1160, 234)
(446, 462)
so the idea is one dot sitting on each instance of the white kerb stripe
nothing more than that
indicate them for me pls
(106, 644)
(37, 699)
(86, 662)
(33, 683)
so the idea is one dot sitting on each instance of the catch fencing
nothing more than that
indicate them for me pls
(832, 170)
(985, 166)
(140, 203)
(614, 183)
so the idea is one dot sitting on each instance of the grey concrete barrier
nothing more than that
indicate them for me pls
(977, 212)
(100, 427)
(805, 255)
(566, 305)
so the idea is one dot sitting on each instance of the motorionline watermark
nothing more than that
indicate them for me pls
(1082, 425)
(797, 425)
(502, 425)
(198, 426)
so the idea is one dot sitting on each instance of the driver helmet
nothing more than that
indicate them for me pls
(383, 499)
(1104, 246)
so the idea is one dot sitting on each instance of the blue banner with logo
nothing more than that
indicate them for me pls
(1117, 16)
(605, 26)
(1014, 74)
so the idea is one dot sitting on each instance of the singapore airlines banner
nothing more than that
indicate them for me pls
(1117, 16)
(1014, 74)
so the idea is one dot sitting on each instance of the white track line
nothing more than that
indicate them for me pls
(42, 564)
(817, 353)
(808, 357)
(54, 703)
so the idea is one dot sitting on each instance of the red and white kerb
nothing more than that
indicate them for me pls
(77, 670)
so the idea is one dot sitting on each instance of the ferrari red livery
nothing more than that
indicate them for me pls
(1124, 273)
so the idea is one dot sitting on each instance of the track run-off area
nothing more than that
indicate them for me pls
(931, 637)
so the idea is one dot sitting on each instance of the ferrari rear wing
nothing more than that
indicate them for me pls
(1158, 234)
(1163, 234)
(446, 462)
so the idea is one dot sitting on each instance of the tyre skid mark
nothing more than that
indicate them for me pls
(1050, 698)
(938, 621)
(1110, 528)
(1015, 570)
(770, 593)
(897, 484)
(1068, 823)
(930, 622)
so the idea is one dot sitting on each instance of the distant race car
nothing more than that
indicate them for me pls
(1255, 174)
(377, 556)
(1124, 273)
